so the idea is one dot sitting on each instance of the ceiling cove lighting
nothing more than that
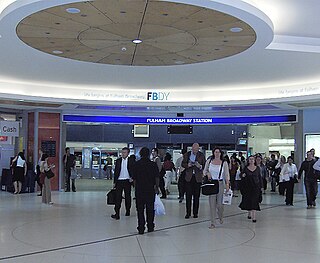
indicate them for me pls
(236, 29)
(57, 52)
(73, 10)
(137, 41)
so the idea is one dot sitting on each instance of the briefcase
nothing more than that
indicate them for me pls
(111, 197)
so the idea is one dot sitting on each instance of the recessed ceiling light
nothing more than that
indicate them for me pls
(236, 29)
(221, 31)
(73, 10)
(57, 52)
(123, 12)
(21, 100)
(83, 15)
(137, 41)
(123, 49)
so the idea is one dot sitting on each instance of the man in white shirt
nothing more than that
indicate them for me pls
(123, 182)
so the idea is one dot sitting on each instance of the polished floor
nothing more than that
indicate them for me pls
(78, 228)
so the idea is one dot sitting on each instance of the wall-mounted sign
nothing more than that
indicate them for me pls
(181, 121)
(49, 147)
(9, 128)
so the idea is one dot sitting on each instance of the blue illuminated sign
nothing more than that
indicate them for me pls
(180, 121)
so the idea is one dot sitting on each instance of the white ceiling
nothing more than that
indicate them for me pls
(286, 70)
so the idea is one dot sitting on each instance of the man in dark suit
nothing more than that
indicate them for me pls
(146, 177)
(122, 182)
(193, 162)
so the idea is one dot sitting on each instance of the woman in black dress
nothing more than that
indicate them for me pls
(251, 184)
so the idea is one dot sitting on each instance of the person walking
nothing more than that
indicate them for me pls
(46, 190)
(271, 165)
(146, 178)
(155, 158)
(310, 179)
(122, 182)
(264, 172)
(69, 162)
(38, 173)
(193, 161)
(19, 172)
(169, 169)
(217, 169)
(288, 175)
(251, 185)
(181, 173)
(279, 166)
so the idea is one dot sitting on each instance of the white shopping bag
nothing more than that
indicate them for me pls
(227, 197)
(159, 209)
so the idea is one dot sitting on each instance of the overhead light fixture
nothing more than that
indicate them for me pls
(179, 62)
(123, 49)
(21, 100)
(137, 41)
(57, 52)
(236, 29)
(73, 10)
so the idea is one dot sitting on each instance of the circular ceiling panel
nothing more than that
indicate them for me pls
(136, 33)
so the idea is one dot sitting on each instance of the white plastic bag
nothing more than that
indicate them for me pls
(227, 197)
(74, 173)
(159, 209)
(238, 178)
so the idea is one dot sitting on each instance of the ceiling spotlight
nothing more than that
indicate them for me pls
(73, 10)
(57, 52)
(21, 100)
(137, 41)
(124, 49)
(236, 29)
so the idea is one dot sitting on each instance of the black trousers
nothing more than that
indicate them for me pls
(289, 191)
(282, 188)
(145, 202)
(123, 185)
(182, 184)
(311, 191)
(67, 186)
(192, 191)
(161, 186)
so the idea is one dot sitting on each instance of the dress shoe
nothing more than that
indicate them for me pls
(212, 226)
(74, 190)
(187, 217)
(180, 201)
(127, 214)
(67, 190)
(115, 216)
(254, 221)
(150, 230)
(141, 232)
(249, 217)
(195, 216)
(39, 194)
(163, 197)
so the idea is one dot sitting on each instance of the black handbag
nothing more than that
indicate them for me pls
(211, 187)
(49, 174)
(111, 197)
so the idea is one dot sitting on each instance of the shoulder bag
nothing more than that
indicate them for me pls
(211, 187)
(49, 174)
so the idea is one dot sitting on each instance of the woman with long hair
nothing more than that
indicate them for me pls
(279, 167)
(251, 184)
(169, 169)
(217, 169)
(46, 190)
(19, 172)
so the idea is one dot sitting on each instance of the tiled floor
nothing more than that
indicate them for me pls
(78, 228)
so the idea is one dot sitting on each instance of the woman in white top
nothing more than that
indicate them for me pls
(20, 170)
(287, 177)
(216, 169)
(279, 166)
